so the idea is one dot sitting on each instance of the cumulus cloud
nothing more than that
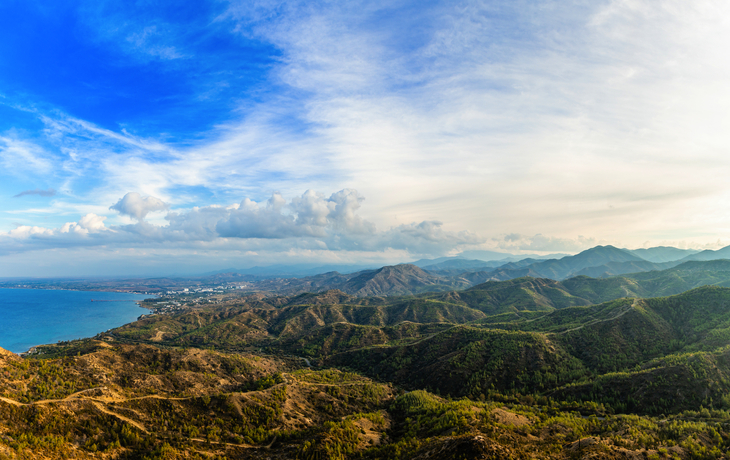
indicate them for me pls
(136, 206)
(89, 231)
(346, 203)
(27, 231)
(252, 220)
(90, 223)
(198, 223)
(310, 222)
(311, 215)
(37, 191)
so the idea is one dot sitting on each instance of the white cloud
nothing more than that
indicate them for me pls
(92, 222)
(148, 40)
(311, 221)
(26, 231)
(343, 213)
(137, 206)
(311, 215)
(251, 220)
(20, 157)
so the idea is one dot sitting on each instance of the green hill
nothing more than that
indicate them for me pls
(468, 361)
(684, 277)
(569, 266)
(661, 254)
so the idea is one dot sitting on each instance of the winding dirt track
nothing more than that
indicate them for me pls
(99, 404)
(105, 400)
(10, 401)
(120, 417)
(71, 397)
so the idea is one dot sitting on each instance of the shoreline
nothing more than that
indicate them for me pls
(78, 290)
(31, 351)
(102, 313)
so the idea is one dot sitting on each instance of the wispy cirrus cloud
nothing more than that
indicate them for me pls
(22, 157)
(604, 119)
(542, 102)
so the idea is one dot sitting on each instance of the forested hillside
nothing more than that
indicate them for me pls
(525, 368)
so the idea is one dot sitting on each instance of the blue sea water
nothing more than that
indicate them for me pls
(30, 317)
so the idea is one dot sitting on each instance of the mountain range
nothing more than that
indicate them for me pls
(396, 363)
(454, 273)
(435, 275)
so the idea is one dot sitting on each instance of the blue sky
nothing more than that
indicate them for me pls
(159, 137)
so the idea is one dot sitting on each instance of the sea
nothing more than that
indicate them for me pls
(30, 317)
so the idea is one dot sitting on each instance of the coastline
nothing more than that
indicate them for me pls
(56, 288)
(48, 316)
(30, 351)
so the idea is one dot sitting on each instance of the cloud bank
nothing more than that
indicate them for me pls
(312, 221)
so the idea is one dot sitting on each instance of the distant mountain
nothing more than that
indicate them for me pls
(647, 284)
(498, 275)
(620, 268)
(592, 262)
(568, 266)
(598, 262)
(317, 283)
(486, 255)
(289, 271)
(229, 277)
(683, 277)
(506, 257)
(723, 253)
(403, 279)
(451, 263)
(519, 264)
(661, 254)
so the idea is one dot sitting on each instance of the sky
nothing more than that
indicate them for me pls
(156, 137)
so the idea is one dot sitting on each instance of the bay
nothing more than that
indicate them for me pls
(30, 317)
